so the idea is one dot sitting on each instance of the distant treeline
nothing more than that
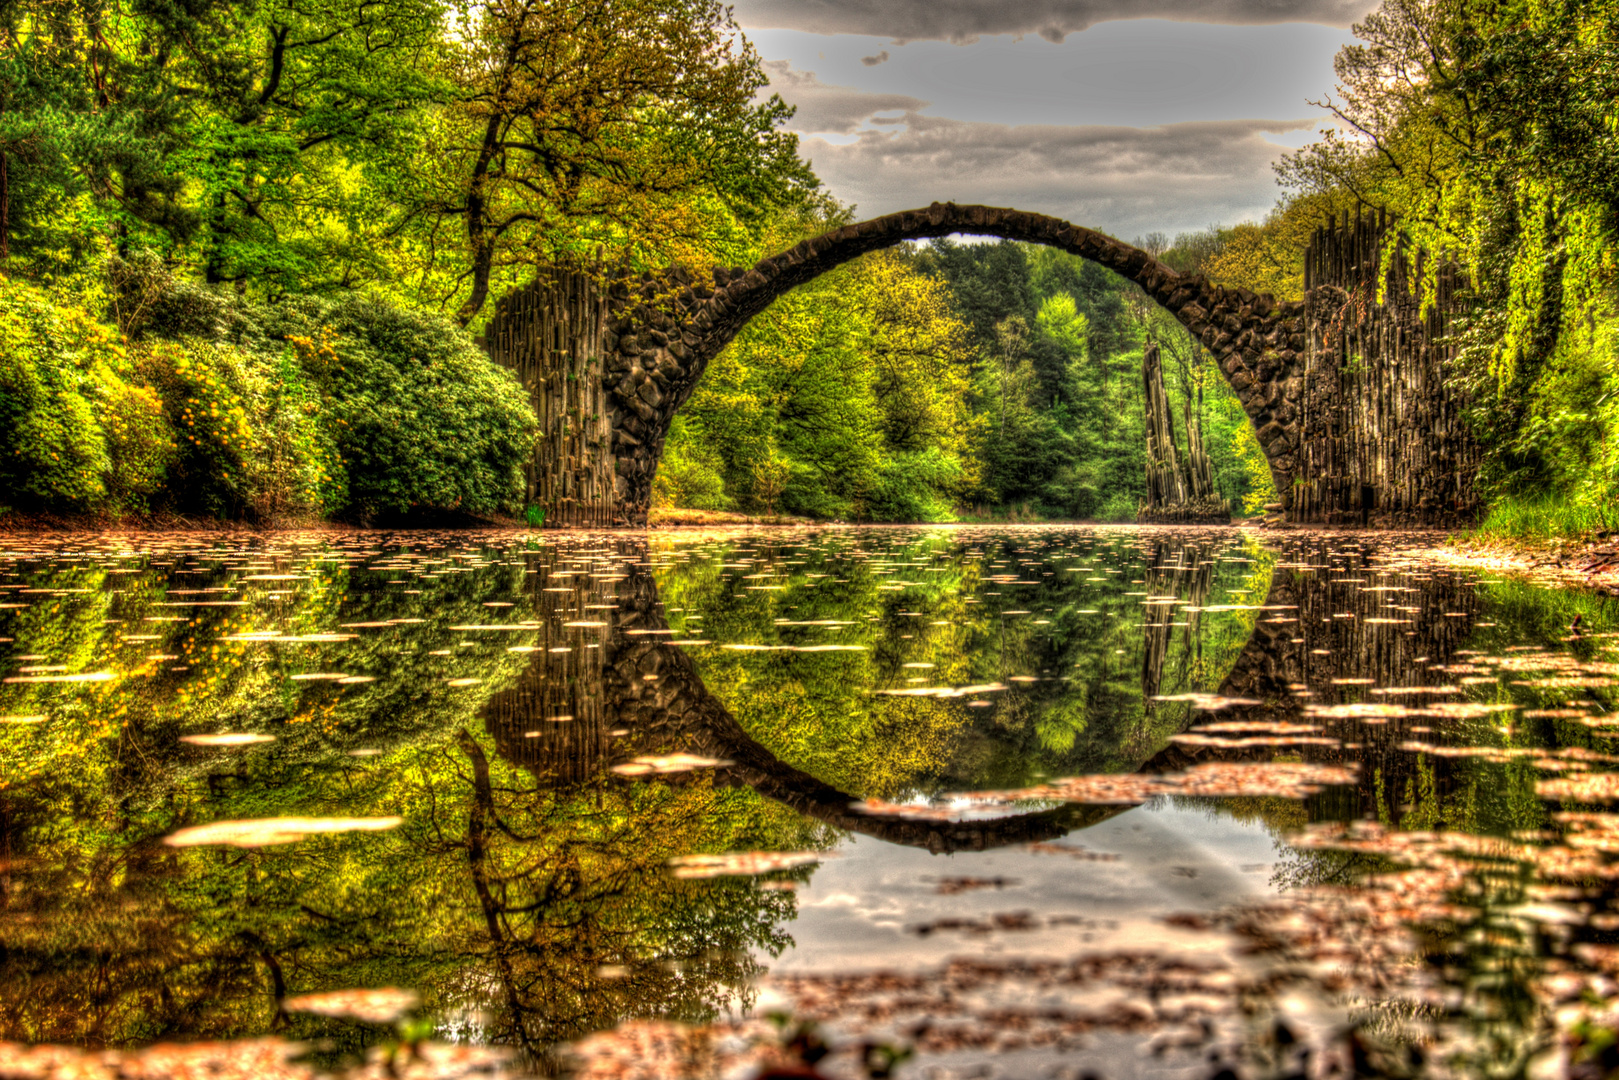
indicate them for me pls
(931, 382)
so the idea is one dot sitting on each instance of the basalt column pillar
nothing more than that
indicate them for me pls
(549, 334)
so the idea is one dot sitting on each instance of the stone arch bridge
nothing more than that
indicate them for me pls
(1346, 396)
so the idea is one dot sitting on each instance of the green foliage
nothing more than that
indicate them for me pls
(249, 446)
(921, 384)
(835, 403)
(690, 473)
(232, 409)
(1531, 519)
(908, 486)
(420, 417)
(76, 433)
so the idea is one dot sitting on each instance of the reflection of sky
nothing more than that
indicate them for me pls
(854, 912)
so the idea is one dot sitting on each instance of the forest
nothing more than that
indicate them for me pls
(246, 252)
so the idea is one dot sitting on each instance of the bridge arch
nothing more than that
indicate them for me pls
(653, 341)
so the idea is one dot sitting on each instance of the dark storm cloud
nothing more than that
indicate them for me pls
(838, 110)
(965, 20)
(1122, 180)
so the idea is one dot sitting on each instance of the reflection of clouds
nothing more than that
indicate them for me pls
(861, 910)
(1122, 180)
(964, 20)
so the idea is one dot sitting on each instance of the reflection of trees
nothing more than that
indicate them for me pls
(651, 691)
(581, 924)
(1086, 712)
(1186, 572)
(499, 895)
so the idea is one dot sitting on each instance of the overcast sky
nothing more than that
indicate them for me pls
(1128, 116)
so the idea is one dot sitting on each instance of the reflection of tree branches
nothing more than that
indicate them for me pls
(1309, 868)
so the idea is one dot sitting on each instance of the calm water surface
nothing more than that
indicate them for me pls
(1031, 801)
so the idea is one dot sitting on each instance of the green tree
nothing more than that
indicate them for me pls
(580, 123)
(247, 140)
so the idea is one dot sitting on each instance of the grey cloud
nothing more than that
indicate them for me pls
(1124, 181)
(833, 110)
(964, 20)
(873, 61)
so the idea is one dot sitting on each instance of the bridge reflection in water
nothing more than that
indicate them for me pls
(576, 712)
(528, 884)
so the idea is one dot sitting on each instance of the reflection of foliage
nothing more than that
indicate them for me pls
(495, 897)
(1086, 712)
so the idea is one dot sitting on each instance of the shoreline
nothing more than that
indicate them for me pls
(1592, 563)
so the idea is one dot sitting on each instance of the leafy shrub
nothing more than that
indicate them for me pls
(249, 441)
(421, 418)
(914, 486)
(140, 442)
(1120, 506)
(75, 432)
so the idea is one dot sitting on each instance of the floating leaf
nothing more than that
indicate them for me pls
(741, 863)
(261, 832)
(673, 763)
(383, 1005)
(226, 739)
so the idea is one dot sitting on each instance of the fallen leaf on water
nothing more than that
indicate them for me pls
(383, 1005)
(1591, 787)
(260, 832)
(1287, 779)
(671, 764)
(1276, 727)
(1208, 702)
(1254, 740)
(952, 886)
(226, 739)
(741, 863)
(944, 691)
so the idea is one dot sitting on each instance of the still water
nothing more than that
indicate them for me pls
(1023, 802)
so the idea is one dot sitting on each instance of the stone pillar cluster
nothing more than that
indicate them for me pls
(1386, 442)
(549, 335)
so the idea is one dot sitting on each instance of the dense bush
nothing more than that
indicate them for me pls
(77, 432)
(910, 487)
(220, 407)
(691, 474)
(422, 419)
(250, 443)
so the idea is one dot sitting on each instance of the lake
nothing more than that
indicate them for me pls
(943, 801)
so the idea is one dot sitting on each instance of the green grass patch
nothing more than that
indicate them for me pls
(1531, 519)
